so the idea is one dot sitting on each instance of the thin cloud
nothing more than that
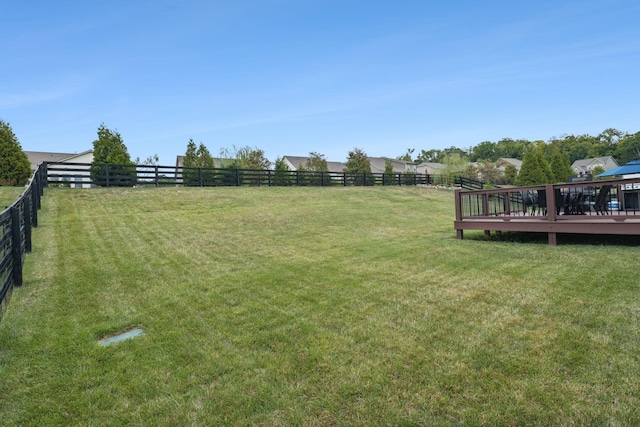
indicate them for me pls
(32, 98)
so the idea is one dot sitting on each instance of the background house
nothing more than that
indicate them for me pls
(378, 165)
(503, 162)
(79, 179)
(586, 166)
(294, 162)
(37, 157)
(431, 168)
(217, 162)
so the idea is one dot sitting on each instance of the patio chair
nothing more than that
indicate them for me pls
(541, 202)
(559, 200)
(601, 205)
(528, 200)
(566, 205)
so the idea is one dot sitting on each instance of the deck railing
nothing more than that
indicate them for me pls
(553, 208)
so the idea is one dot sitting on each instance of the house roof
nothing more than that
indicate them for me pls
(37, 157)
(632, 167)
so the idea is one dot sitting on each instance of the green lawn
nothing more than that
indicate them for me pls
(311, 306)
(9, 195)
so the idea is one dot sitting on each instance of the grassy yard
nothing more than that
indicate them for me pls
(311, 306)
(9, 195)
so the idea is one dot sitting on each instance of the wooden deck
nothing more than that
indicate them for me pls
(599, 207)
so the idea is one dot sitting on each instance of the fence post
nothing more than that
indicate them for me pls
(106, 173)
(26, 211)
(16, 250)
(35, 199)
(297, 178)
(269, 177)
(157, 180)
(44, 177)
(237, 177)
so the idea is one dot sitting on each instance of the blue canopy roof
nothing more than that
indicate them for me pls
(629, 168)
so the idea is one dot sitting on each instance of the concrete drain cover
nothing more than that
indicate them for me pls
(121, 337)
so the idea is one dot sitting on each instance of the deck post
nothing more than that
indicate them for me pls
(551, 212)
(457, 199)
(485, 204)
(551, 203)
(458, 203)
(507, 204)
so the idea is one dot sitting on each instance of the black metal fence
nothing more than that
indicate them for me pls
(468, 183)
(109, 175)
(16, 222)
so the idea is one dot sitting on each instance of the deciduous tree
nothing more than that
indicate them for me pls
(454, 165)
(315, 163)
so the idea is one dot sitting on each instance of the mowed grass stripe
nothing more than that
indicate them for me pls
(311, 306)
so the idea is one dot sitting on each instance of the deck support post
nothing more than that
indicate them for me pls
(553, 239)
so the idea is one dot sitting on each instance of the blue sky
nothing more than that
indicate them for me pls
(294, 76)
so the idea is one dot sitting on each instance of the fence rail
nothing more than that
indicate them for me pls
(109, 175)
(16, 222)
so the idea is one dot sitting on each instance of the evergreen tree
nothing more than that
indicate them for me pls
(191, 156)
(535, 169)
(110, 153)
(14, 164)
(389, 177)
(282, 174)
(190, 175)
(206, 165)
(204, 158)
(510, 174)
(560, 166)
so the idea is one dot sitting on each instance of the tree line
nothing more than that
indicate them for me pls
(543, 162)
(551, 159)
(622, 146)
